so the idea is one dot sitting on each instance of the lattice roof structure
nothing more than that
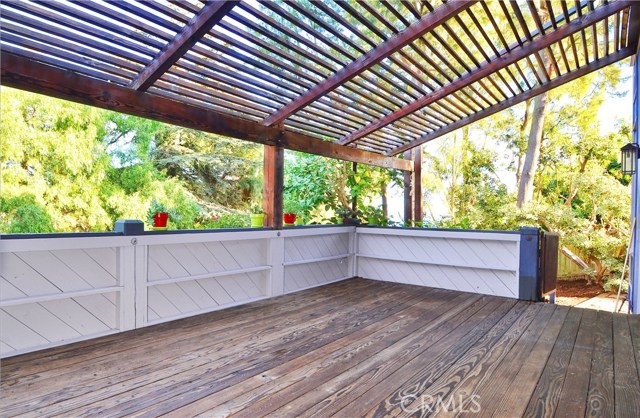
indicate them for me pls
(358, 80)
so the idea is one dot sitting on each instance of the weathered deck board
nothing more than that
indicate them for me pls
(351, 348)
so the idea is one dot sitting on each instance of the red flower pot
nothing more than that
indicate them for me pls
(289, 218)
(160, 219)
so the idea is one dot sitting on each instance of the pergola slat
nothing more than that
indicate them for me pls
(22, 73)
(382, 75)
(586, 69)
(199, 25)
(515, 55)
(368, 60)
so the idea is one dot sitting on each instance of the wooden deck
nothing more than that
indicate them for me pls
(349, 349)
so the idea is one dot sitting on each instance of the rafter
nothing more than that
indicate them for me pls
(210, 14)
(27, 74)
(558, 81)
(371, 58)
(515, 55)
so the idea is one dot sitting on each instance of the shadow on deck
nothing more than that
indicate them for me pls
(353, 348)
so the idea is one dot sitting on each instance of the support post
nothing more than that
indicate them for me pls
(408, 210)
(354, 199)
(273, 184)
(634, 254)
(528, 266)
(417, 186)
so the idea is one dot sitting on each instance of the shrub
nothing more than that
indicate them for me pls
(22, 214)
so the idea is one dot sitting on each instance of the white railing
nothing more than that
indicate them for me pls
(55, 291)
(469, 261)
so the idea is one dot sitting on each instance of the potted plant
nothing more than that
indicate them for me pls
(158, 215)
(348, 216)
(342, 213)
(257, 217)
(290, 208)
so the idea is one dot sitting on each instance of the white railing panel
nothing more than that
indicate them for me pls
(187, 298)
(197, 259)
(188, 277)
(55, 291)
(314, 257)
(478, 262)
(56, 295)
(319, 246)
(304, 276)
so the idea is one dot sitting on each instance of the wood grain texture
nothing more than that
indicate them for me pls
(353, 348)
(600, 401)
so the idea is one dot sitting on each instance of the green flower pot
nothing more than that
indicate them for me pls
(257, 220)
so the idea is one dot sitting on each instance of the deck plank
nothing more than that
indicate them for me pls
(545, 398)
(521, 388)
(210, 371)
(491, 391)
(417, 374)
(108, 371)
(573, 400)
(626, 385)
(459, 388)
(293, 379)
(442, 395)
(353, 348)
(349, 384)
(600, 401)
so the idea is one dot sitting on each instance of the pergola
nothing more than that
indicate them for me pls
(360, 81)
(324, 320)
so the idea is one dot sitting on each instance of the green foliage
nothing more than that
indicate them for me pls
(230, 220)
(579, 190)
(291, 205)
(613, 285)
(375, 216)
(213, 168)
(85, 168)
(257, 209)
(22, 214)
(321, 185)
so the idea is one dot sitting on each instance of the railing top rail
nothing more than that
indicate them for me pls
(443, 233)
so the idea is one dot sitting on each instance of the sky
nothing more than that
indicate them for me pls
(613, 109)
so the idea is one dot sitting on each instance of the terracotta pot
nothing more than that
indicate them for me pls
(160, 220)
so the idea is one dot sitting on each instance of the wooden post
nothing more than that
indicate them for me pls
(407, 193)
(417, 184)
(354, 199)
(273, 183)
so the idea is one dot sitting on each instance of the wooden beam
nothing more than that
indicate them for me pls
(26, 74)
(492, 67)
(634, 25)
(408, 207)
(371, 58)
(417, 186)
(210, 14)
(273, 185)
(558, 81)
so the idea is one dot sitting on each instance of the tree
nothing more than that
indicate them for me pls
(532, 156)
(322, 185)
(69, 167)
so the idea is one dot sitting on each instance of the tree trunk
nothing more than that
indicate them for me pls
(530, 166)
(520, 151)
(385, 204)
(532, 157)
